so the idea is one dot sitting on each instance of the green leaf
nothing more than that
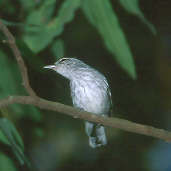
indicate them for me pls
(9, 23)
(58, 49)
(3, 138)
(14, 140)
(6, 163)
(38, 38)
(18, 24)
(132, 6)
(8, 128)
(103, 17)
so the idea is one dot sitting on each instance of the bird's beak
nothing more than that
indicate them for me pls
(49, 66)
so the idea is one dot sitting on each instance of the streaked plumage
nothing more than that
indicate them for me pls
(89, 91)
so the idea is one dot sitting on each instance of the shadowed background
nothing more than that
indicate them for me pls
(57, 142)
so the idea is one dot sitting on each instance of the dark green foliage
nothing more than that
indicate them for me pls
(11, 137)
(47, 28)
(40, 28)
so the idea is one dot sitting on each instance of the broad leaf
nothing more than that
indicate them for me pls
(39, 37)
(103, 17)
(14, 140)
(6, 163)
(132, 6)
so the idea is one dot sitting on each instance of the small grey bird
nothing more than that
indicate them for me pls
(89, 91)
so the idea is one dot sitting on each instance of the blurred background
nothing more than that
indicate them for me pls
(128, 41)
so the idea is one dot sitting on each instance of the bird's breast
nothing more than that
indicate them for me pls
(90, 96)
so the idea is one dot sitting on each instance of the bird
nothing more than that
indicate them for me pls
(90, 92)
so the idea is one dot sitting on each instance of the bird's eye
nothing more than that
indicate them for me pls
(62, 60)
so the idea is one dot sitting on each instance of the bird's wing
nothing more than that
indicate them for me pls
(111, 103)
(110, 97)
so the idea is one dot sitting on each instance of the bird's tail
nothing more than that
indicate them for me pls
(96, 134)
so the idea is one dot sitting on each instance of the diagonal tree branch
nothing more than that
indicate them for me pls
(76, 113)
(17, 54)
(32, 99)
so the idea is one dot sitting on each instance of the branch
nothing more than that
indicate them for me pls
(75, 113)
(17, 54)
(58, 107)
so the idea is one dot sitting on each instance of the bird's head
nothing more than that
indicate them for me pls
(67, 67)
